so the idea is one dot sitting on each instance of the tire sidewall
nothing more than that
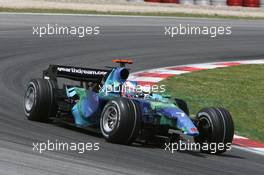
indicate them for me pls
(31, 84)
(128, 121)
(44, 104)
(105, 133)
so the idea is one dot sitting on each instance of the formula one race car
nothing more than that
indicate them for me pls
(104, 100)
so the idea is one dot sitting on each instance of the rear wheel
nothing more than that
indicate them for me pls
(216, 130)
(120, 121)
(39, 100)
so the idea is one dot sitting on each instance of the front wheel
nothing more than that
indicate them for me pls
(216, 130)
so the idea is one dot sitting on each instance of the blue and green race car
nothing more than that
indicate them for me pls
(105, 101)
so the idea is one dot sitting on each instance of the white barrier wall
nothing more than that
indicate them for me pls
(202, 2)
(262, 3)
(186, 2)
(218, 2)
(135, 0)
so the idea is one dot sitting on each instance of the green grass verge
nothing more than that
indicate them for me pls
(72, 11)
(239, 89)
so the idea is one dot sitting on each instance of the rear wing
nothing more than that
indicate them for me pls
(75, 73)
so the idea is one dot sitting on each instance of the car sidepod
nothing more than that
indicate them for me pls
(160, 113)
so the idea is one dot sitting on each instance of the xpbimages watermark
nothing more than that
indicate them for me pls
(192, 146)
(182, 30)
(57, 30)
(79, 147)
(126, 88)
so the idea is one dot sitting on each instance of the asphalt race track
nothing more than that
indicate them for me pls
(23, 56)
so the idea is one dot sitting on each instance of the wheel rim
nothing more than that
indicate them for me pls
(110, 119)
(29, 99)
(204, 128)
